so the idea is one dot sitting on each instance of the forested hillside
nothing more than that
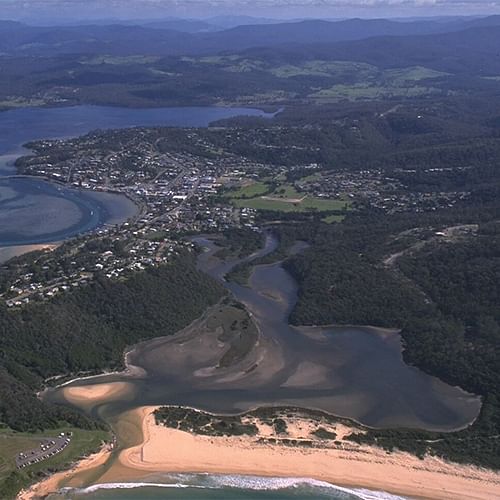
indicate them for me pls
(88, 330)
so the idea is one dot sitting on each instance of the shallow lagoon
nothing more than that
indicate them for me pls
(354, 372)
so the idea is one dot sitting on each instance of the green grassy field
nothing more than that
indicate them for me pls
(21, 103)
(311, 178)
(307, 205)
(285, 198)
(156, 235)
(367, 91)
(334, 69)
(82, 443)
(413, 73)
(287, 191)
(330, 219)
(250, 191)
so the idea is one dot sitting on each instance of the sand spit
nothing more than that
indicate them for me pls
(345, 464)
(92, 394)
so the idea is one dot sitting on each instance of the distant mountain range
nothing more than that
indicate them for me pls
(188, 37)
(473, 51)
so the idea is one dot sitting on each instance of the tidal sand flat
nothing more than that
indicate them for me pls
(34, 211)
(92, 394)
(118, 207)
(10, 252)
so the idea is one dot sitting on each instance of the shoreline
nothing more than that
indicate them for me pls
(129, 370)
(11, 251)
(348, 464)
(343, 463)
(52, 483)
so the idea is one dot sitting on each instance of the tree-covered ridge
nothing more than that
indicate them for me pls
(305, 62)
(88, 330)
(434, 277)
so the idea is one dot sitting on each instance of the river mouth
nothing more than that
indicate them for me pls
(353, 372)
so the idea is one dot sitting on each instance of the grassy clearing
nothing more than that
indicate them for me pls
(11, 443)
(250, 191)
(287, 191)
(332, 69)
(119, 60)
(310, 178)
(412, 74)
(364, 91)
(285, 198)
(215, 59)
(20, 102)
(156, 235)
(237, 330)
(330, 219)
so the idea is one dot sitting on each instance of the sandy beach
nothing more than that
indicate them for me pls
(346, 464)
(341, 462)
(7, 253)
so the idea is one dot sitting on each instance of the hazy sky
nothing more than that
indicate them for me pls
(129, 9)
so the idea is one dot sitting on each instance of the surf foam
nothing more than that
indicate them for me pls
(255, 483)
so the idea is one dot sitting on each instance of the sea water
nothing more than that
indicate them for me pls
(221, 487)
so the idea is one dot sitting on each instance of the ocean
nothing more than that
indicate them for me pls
(220, 487)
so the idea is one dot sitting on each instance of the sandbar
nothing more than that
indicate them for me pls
(96, 393)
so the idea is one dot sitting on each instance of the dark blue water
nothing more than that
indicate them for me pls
(26, 124)
(34, 211)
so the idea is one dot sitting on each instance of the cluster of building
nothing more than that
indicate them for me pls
(176, 193)
(375, 189)
(176, 177)
(109, 252)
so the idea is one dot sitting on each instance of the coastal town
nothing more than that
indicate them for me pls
(182, 183)
(249, 250)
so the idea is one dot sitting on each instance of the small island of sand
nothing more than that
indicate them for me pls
(96, 393)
